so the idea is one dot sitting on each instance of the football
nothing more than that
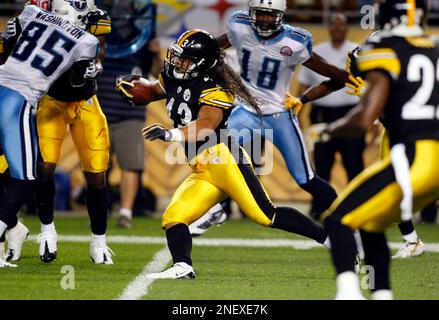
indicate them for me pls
(141, 89)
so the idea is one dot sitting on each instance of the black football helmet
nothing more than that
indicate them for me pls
(194, 52)
(407, 13)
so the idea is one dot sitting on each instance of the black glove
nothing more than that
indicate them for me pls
(123, 84)
(156, 131)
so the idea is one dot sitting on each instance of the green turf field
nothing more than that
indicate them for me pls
(224, 272)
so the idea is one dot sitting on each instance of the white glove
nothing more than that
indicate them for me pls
(93, 70)
(11, 28)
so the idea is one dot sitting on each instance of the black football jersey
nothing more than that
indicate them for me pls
(184, 100)
(411, 112)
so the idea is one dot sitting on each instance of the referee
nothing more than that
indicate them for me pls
(334, 106)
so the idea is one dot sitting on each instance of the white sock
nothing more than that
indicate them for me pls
(348, 286)
(382, 295)
(411, 237)
(98, 239)
(125, 212)
(3, 227)
(327, 243)
(48, 227)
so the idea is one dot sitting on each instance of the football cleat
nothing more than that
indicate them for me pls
(124, 222)
(3, 263)
(180, 270)
(216, 216)
(100, 253)
(410, 249)
(16, 237)
(48, 246)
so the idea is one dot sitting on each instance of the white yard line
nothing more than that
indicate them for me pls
(212, 242)
(138, 288)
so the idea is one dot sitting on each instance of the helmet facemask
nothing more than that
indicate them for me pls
(181, 66)
(266, 21)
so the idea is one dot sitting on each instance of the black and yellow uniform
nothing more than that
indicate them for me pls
(220, 167)
(404, 181)
(79, 108)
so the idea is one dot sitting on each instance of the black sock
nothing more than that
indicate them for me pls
(180, 243)
(406, 227)
(377, 255)
(291, 220)
(16, 194)
(323, 194)
(97, 209)
(343, 246)
(45, 192)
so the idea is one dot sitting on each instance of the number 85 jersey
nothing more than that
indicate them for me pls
(412, 65)
(46, 45)
(267, 65)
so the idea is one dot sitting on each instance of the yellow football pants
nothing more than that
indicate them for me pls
(88, 127)
(372, 201)
(3, 164)
(216, 175)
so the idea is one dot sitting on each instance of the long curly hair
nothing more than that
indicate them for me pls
(231, 82)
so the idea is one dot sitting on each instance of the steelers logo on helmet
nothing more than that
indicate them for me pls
(267, 16)
(194, 53)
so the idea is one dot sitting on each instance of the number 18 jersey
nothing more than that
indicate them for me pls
(47, 46)
(267, 65)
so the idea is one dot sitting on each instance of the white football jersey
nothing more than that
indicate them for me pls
(47, 46)
(267, 65)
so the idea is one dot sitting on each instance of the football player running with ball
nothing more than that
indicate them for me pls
(45, 45)
(200, 90)
(268, 52)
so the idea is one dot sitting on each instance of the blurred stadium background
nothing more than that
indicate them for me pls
(175, 16)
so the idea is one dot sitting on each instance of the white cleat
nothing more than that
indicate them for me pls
(180, 270)
(3, 263)
(100, 253)
(410, 249)
(48, 246)
(216, 216)
(16, 237)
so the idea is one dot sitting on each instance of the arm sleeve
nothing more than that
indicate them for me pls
(235, 24)
(88, 49)
(378, 56)
(216, 97)
(304, 37)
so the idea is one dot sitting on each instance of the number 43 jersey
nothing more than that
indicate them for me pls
(412, 65)
(45, 48)
(267, 65)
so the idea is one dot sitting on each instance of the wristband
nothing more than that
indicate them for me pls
(175, 135)
(304, 99)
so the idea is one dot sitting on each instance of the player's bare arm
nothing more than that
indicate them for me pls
(208, 119)
(371, 106)
(223, 42)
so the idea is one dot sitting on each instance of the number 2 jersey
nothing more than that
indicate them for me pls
(47, 46)
(267, 65)
(183, 103)
(412, 64)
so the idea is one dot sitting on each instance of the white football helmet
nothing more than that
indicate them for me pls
(276, 8)
(73, 10)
